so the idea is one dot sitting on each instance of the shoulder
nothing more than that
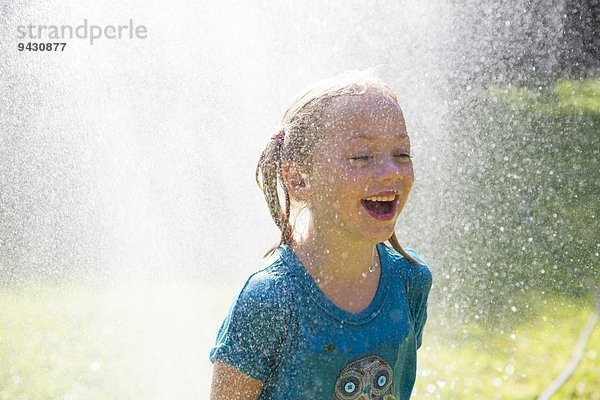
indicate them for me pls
(258, 323)
(267, 289)
(414, 274)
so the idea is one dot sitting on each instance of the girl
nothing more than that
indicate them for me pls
(336, 314)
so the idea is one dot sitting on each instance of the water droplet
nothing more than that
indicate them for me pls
(96, 365)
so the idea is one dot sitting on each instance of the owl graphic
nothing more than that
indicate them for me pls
(366, 378)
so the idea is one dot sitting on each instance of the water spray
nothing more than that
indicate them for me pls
(525, 211)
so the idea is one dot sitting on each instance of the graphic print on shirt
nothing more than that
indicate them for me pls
(365, 379)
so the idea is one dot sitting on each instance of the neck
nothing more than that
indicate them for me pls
(329, 256)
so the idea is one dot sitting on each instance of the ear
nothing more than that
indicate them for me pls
(295, 180)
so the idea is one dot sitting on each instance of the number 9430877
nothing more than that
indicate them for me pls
(35, 46)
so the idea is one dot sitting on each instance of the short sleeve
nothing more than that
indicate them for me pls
(253, 332)
(420, 284)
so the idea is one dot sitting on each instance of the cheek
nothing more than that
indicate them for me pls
(324, 189)
(333, 178)
(338, 190)
(408, 174)
(350, 175)
(411, 176)
(349, 185)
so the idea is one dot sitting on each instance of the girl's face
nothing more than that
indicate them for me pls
(361, 171)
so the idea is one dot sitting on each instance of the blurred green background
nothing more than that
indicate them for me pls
(507, 315)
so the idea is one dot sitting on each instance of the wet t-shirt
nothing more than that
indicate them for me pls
(281, 329)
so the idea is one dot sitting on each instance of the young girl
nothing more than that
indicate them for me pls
(336, 314)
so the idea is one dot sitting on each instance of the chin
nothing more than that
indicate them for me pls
(378, 236)
(371, 230)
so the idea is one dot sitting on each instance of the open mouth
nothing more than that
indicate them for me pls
(381, 207)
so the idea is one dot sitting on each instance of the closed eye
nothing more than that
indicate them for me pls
(405, 156)
(360, 158)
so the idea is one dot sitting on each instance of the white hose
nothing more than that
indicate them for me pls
(575, 358)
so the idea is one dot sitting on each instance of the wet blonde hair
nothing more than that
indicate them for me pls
(298, 134)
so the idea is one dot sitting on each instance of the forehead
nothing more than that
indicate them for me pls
(373, 114)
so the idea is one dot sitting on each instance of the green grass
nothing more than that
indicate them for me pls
(152, 341)
(561, 98)
(142, 341)
(516, 356)
(54, 343)
(514, 360)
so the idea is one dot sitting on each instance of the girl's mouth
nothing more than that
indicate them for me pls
(381, 207)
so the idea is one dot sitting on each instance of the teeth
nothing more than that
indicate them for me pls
(381, 198)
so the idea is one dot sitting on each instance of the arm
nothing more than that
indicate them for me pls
(250, 341)
(229, 383)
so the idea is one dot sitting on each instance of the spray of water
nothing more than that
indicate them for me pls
(127, 166)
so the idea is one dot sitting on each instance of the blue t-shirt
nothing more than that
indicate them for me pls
(281, 329)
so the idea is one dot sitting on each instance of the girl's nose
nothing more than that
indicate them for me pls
(390, 169)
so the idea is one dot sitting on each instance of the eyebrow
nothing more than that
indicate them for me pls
(372, 137)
